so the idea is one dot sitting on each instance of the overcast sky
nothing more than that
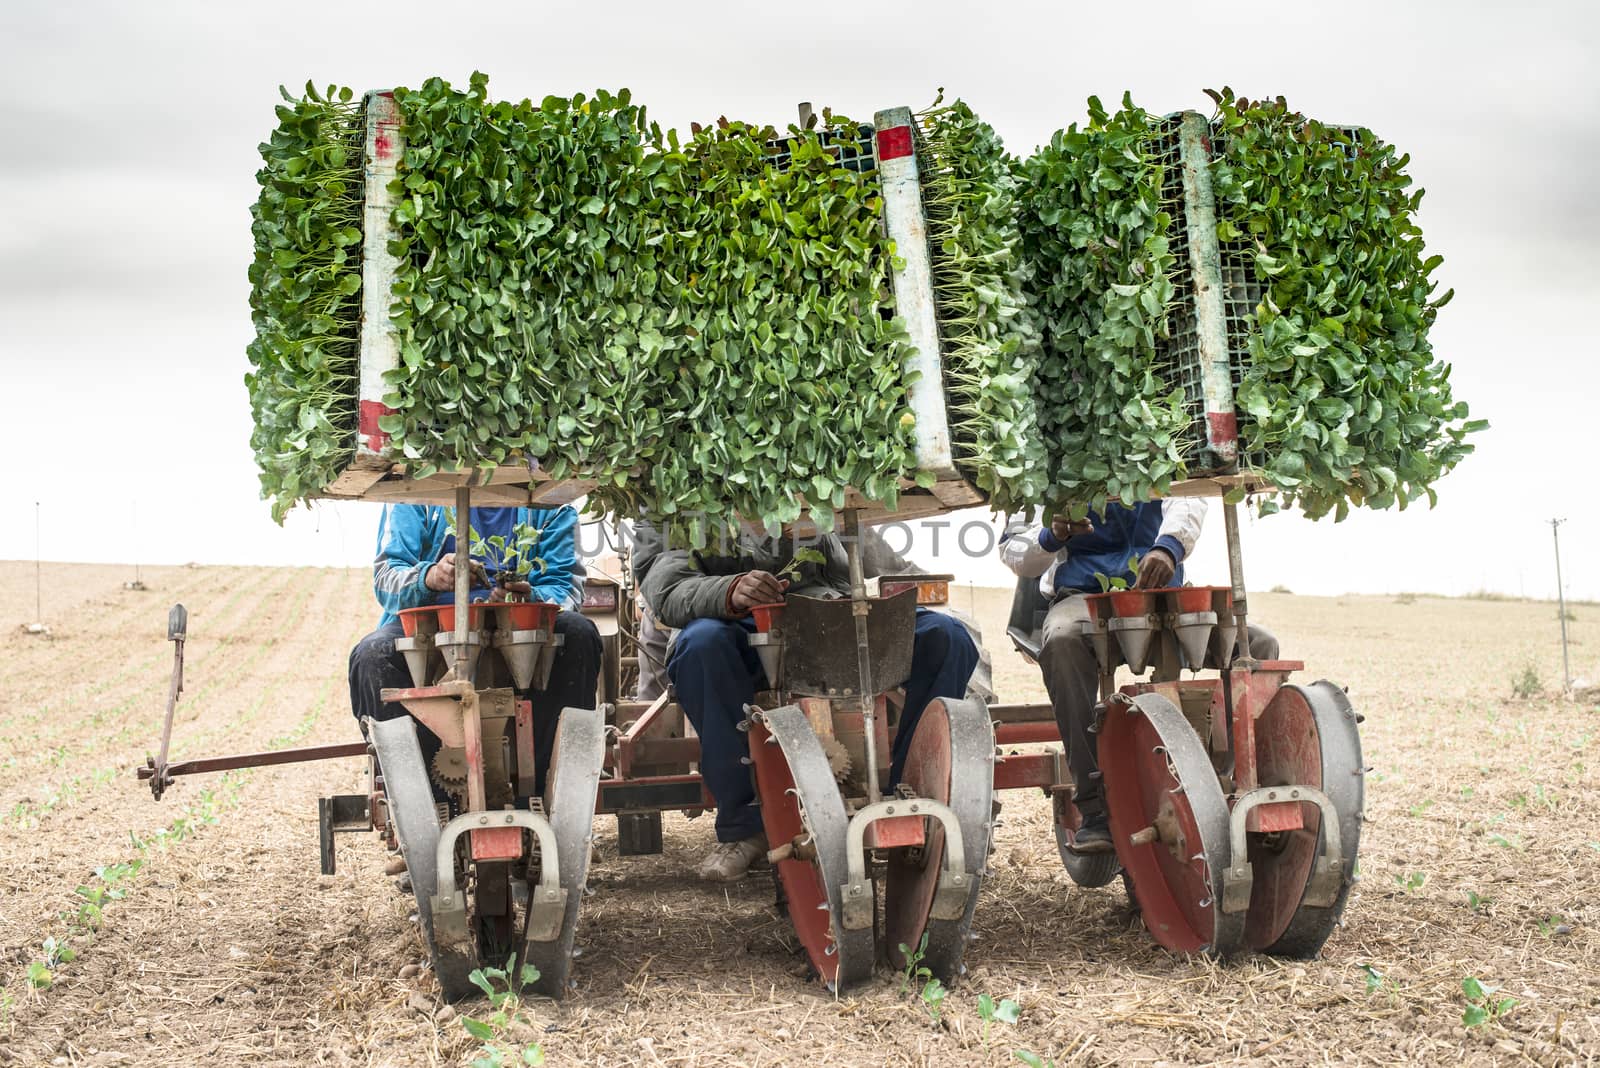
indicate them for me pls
(128, 153)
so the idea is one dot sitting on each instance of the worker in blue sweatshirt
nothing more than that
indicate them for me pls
(1064, 556)
(416, 565)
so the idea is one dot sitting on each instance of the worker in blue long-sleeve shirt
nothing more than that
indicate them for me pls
(1064, 556)
(416, 565)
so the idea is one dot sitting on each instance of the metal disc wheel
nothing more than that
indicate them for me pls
(1158, 778)
(949, 761)
(1088, 870)
(570, 789)
(801, 806)
(1327, 756)
(409, 798)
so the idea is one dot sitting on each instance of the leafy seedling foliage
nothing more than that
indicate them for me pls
(580, 288)
(510, 559)
(1005, 1010)
(305, 295)
(1341, 392)
(1096, 241)
(503, 988)
(1482, 1005)
(930, 989)
(988, 333)
(797, 562)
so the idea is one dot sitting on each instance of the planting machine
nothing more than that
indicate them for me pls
(1235, 800)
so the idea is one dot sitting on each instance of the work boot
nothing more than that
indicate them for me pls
(729, 861)
(1094, 836)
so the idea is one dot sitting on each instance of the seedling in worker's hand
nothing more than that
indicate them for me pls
(791, 570)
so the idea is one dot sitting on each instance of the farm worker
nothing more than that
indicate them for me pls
(1065, 557)
(416, 565)
(715, 672)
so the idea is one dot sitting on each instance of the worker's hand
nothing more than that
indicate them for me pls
(442, 575)
(753, 588)
(1062, 528)
(501, 592)
(1155, 570)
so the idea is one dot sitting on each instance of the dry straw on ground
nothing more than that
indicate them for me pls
(1480, 861)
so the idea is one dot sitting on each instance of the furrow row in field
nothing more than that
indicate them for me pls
(137, 717)
(149, 659)
(215, 723)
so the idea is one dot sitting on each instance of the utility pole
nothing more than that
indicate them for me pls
(1561, 607)
(38, 585)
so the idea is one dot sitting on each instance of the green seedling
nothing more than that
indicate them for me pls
(791, 570)
(1421, 807)
(1032, 1059)
(1482, 1005)
(1005, 1010)
(1554, 927)
(41, 973)
(1506, 841)
(1413, 882)
(1477, 902)
(931, 991)
(1109, 583)
(503, 988)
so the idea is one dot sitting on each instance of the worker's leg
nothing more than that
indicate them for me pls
(1263, 646)
(715, 672)
(942, 660)
(652, 656)
(376, 665)
(571, 685)
(1072, 677)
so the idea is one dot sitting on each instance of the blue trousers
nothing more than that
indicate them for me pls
(715, 673)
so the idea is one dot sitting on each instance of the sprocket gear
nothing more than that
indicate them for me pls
(838, 757)
(449, 768)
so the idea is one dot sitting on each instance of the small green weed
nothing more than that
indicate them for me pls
(1477, 902)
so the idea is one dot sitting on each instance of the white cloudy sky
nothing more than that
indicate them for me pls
(127, 161)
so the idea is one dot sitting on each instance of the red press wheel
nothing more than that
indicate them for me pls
(1169, 821)
(1323, 713)
(948, 762)
(801, 807)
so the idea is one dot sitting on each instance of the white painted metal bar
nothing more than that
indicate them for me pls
(913, 285)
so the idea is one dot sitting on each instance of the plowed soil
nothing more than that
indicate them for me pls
(1479, 861)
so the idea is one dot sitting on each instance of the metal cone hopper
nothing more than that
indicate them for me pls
(1100, 641)
(1194, 631)
(521, 649)
(1133, 638)
(419, 653)
(445, 641)
(769, 647)
(547, 658)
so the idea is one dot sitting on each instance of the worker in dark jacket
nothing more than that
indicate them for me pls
(707, 597)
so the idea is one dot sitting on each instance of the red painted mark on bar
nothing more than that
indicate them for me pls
(1224, 427)
(367, 425)
(496, 843)
(894, 142)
